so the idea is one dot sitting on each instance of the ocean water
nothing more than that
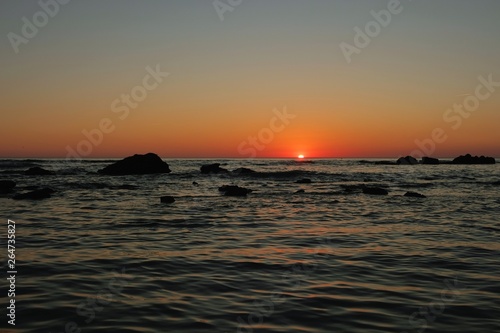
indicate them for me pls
(104, 255)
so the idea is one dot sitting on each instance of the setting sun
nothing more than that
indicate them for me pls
(301, 156)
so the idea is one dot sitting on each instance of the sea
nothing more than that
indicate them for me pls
(103, 254)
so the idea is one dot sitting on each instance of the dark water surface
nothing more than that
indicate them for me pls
(104, 255)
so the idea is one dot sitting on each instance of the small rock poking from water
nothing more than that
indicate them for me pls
(167, 199)
(414, 195)
(37, 171)
(212, 168)
(304, 181)
(375, 190)
(137, 165)
(43, 193)
(234, 191)
(300, 191)
(7, 186)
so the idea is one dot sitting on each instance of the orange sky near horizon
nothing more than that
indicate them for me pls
(226, 78)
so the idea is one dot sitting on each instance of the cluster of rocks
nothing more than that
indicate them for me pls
(464, 159)
(152, 164)
(469, 159)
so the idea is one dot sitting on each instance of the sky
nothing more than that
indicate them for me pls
(249, 78)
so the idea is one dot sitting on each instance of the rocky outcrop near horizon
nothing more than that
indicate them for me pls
(469, 159)
(137, 165)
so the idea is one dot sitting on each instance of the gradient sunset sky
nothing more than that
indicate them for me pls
(227, 76)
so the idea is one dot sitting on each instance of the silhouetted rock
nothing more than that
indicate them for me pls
(304, 181)
(7, 186)
(234, 191)
(137, 165)
(37, 171)
(195, 183)
(212, 168)
(167, 199)
(429, 160)
(414, 195)
(407, 160)
(243, 171)
(374, 190)
(300, 191)
(43, 193)
(469, 159)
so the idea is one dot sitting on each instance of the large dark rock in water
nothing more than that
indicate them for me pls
(374, 190)
(43, 193)
(7, 186)
(414, 195)
(212, 168)
(429, 160)
(469, 159)
(137, 165)
(304, 181)
(410, 160)
(37, 171)
(234, 191)
(167, 199)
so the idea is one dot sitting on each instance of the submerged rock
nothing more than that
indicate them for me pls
(374, 190)
(429, 160)
(300, 191)
(414, 195)
(352, 188)
(7, 186)
(469, 159)
(167, 199)
(304, 181)
(137, 165)
(243, 171)
(37, 171)
(212, 168)
(234, 191)
(407, 160)
(43, 193)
